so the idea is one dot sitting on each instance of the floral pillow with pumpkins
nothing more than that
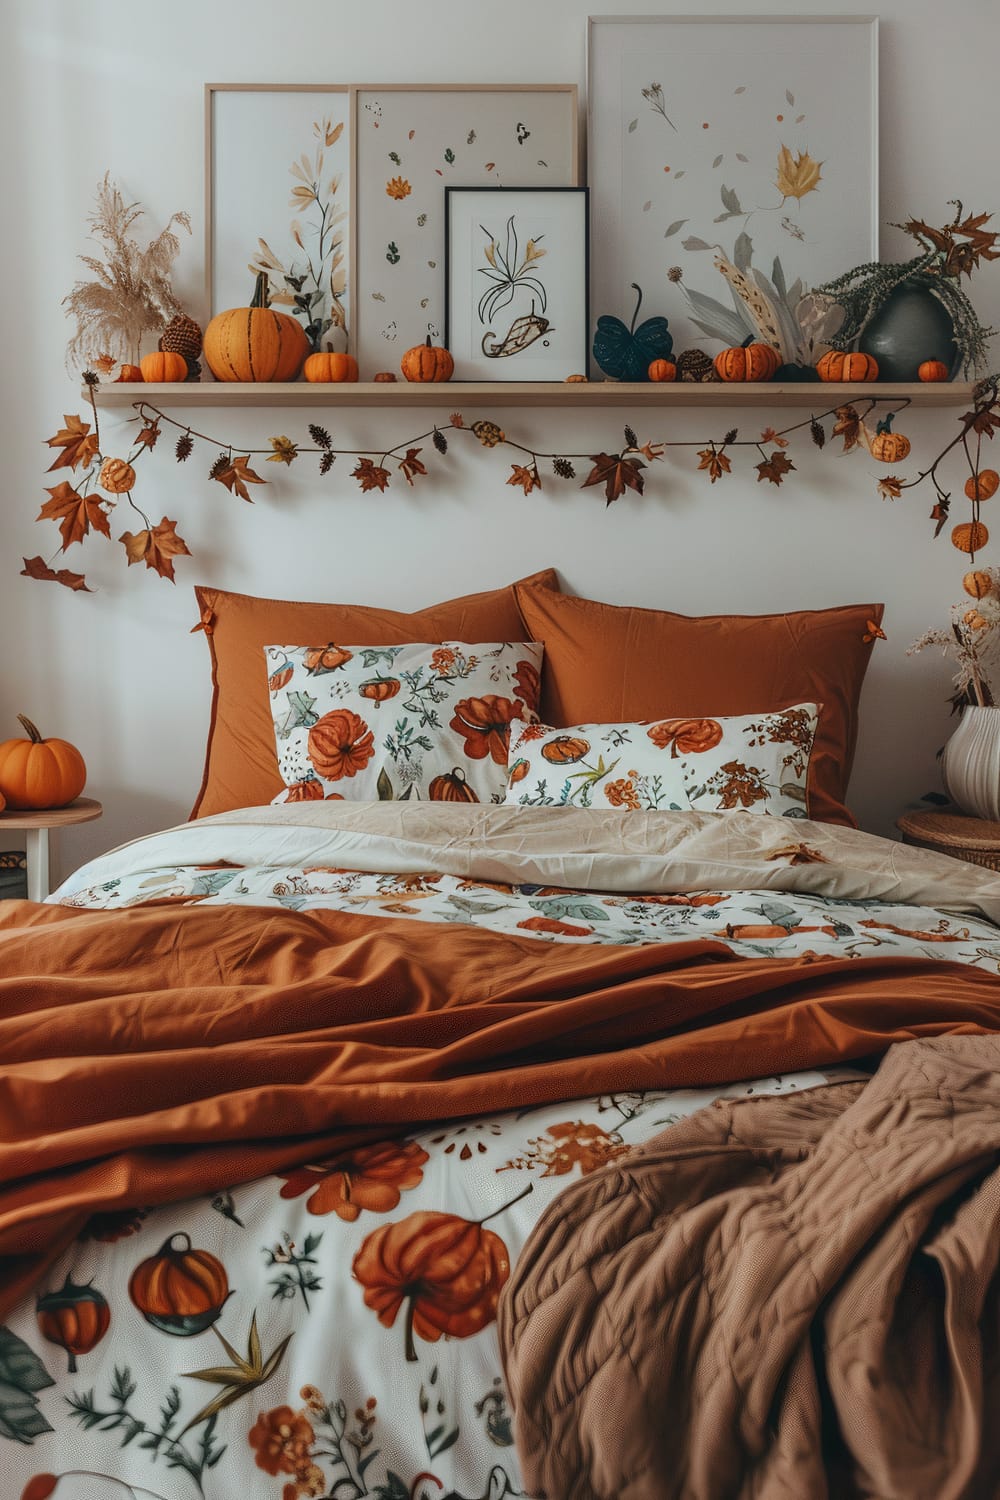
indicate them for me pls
(750, 762)
(388, 723)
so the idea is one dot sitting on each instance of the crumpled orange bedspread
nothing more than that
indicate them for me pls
(158, 1052)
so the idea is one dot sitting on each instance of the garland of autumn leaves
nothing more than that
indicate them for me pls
(79, 507)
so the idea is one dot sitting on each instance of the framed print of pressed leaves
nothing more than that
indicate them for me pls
(278, 189)
(412, 144)
(727, 176)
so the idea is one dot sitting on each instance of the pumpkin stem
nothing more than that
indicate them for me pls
(427, 342)
(638, 304)
(30, 730)
(261, 297)
(886, 423)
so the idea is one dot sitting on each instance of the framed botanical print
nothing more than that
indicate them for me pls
(727, 176)
(516, 278)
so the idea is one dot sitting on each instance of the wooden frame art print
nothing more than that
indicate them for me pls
(722, 144)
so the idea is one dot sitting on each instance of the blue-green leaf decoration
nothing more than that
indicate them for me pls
(627, 353)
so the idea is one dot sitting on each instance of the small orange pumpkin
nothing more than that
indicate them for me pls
(180, 1290)
(747, 362)
(565, 749)
(662, 369)
(37, 773)
(129, 373)
(333, 368)
(970, 536)
(325, 658)
(838, 364)
(982, 485)
(163, 365)
(427, 362)
(380, 689)
(75, 1317)
(887, 446)
(575, 380)
(978, 584)
(255, 343)
(933, 369)
(116, 476)
(518, 771)
(384, 375)
(451, 787)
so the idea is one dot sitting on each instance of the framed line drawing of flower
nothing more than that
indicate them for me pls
(278, 174)
(722, 144)
(516, 275)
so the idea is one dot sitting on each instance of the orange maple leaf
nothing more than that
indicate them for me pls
(77, 441)
(370, 476)
(156, 548)
(411, 465)
(528, 479)
(36, 567)
(848, 426)
(237, 475)
(75, 513)
(146, 436)
(616, 473)
(715, 462)
(775, 467)
(652, 450)
(105, 363)
(456, 419)
(770, 436)
(984, 420)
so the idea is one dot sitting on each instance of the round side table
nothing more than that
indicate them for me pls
(35, 826)
(975, 840)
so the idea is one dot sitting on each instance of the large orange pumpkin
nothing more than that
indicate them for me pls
(76, 1318)
(747, 362)
(180, 1290)
(163, 365)
(837, 364)
(255, 342)
(427, 362)
(330, 367)
(36, 773)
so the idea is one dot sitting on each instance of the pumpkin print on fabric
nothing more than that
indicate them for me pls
(753, 762)
(422, 722)
(180, 1290)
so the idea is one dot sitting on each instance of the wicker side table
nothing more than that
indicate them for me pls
(975, 840)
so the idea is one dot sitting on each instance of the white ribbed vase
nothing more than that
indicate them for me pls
(971, 763)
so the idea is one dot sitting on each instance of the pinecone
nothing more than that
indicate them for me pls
(695, 364)
(182, 336)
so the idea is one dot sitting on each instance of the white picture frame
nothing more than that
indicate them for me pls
(517, 282)
(705, 134)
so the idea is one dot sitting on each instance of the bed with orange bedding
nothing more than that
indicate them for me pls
(285, 1090)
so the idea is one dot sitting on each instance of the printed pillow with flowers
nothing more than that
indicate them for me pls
(386, 723)
(753, 762)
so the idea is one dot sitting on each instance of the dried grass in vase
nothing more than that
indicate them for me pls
(972, 641)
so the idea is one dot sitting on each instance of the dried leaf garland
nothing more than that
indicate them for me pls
(236, 475)
(285, 451)
(891, 487)
(527, 478)
(184, 447)
(157, 548)
(75, 513)
(411, 465)
(775, 467)
(79, 445)
(370, 476)
(616, 472)
(715, 462)
(35, 567)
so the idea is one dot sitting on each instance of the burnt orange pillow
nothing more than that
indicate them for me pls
(606, 663)
(241, 766)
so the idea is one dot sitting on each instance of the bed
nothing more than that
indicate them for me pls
(306, 1101)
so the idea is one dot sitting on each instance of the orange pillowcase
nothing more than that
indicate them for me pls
(241, 765)
(606, 663)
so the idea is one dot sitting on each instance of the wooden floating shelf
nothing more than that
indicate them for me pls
(455, 395)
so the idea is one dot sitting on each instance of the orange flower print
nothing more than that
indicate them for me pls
(398, 187)
(442, 660)
(686, 736)
(309, 790)
(340, 744)
(738, 785)
(533, 732)
(371, 1177)
(566, 1146)
(449, 1272)
(528, 683)
(622, 794)
(485, 723)
(282, 1439)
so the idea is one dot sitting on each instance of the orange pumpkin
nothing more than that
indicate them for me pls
(982, 485)
(970, 536)
(163, 365)
(340, 744)
(686, 736)
(662, 369)
(837, 364)
(575, 380)
(325, 658)
(518, 771)
(309, 790)
(565, 749)
(933, 369)
(978, 584)
(887, 446)
(129, 373)
(255, 342)
(451, 787)
(427, 362)
(76, 1318)
(385, 375)
(379, 689)
(330, 367)
(747, 362)
(180, 1290)
(36, 773)
(116, 476)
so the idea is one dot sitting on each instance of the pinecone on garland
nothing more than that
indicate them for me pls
(182, 336)
(695, 364)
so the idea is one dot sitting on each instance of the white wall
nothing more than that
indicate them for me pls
(117, 85)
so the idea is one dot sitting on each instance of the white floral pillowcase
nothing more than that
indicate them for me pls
(753, 762)
(385, 723)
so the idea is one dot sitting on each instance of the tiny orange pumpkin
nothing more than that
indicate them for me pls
(978, 584)
(838, 364)
(747, 362)
(128, 373)
(887, 446)
(451, 787)
(982, 485)
(662, 369)
(575, 380)
(330, 368)
(427, 361)
(116, 476)
(163, 365)
(933, 369)
(970, 536)
(384, 375)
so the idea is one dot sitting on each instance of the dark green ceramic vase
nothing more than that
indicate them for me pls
(909, 327)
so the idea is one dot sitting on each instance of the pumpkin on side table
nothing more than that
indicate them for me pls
(36, 773)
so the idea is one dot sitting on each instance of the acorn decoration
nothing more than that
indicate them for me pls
(696, 365)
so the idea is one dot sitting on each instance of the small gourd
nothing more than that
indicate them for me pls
(978, 583)
(662, 369)
(128, 374)
(565, 749)
(36, 773)
(970, 536)
(838, 364)
(887, 446)
(180, 1290)
(627, 353)
(255, 343)
(116, 476)
(329, 367)
(386, 376)
(427, 361)
(575, 380)
(933, 369)
(750, 361)
(451, 787)
(983, 485)
(163, 365)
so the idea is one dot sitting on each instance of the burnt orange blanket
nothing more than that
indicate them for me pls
(779, 1297)
(158, 1052)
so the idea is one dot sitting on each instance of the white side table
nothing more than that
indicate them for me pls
(35, 826)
